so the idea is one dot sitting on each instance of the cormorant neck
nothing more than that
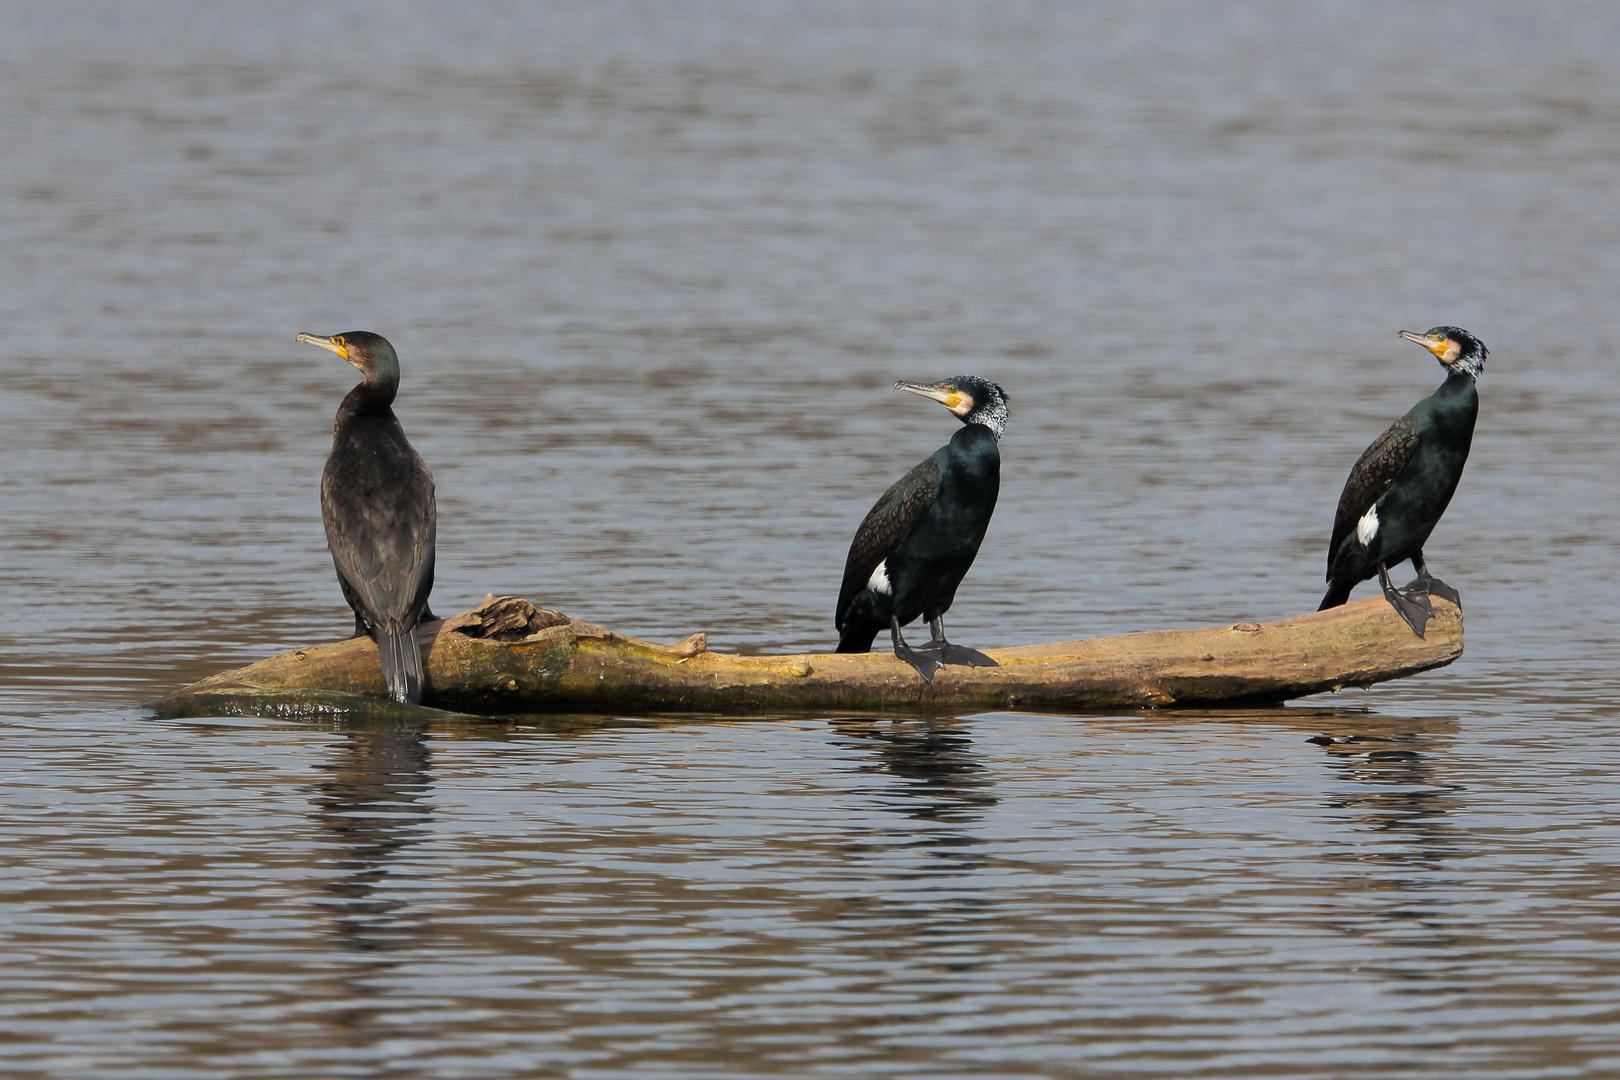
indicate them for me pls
(992, 414)
(1460, 377)
(375, 395)
(1469, 364)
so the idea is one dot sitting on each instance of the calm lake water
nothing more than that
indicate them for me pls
(651, 270)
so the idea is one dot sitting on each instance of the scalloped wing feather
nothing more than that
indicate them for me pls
(889, 522)
(1378, 467)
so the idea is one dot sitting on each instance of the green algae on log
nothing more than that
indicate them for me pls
(508, 656)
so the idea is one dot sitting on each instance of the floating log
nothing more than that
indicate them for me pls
(509, 656)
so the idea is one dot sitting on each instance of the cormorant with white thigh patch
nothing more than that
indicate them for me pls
(916, 545)
(1402, 483)
(377, 505)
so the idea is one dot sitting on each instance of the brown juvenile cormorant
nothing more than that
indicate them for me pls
(915, 546)
(1400, 486)
(377, 505)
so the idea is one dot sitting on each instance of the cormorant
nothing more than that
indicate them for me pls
(915, 546)
(377, 505)
(1400, 486)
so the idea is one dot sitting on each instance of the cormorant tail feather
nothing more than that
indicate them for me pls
(857, 636)
(401, 664)
(1337, 595)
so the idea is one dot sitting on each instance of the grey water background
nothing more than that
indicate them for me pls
(651, 270)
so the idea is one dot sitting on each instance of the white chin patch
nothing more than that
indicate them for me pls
(1367, 527)
(879, 581)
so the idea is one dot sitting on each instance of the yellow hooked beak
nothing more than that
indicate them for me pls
(944, 393)
(330, 344)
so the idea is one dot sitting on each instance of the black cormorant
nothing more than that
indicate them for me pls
(1400, 486)
(915, 546)
(377, 505)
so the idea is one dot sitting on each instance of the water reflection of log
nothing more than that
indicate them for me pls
(507, 656)
(374, 805)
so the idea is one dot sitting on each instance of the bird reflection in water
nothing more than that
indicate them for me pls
(946, 783)
(946, 780)
(375, 806)
(1400, 788)
(1399, 791)
(941, 898)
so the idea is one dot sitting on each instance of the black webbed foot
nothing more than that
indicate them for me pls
(963, 656)
(1410, 604)
(1435, 587)
(1431, 584)
(1413, 607)
(960, 655)
(925, 660)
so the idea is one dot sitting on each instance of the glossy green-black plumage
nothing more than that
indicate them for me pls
(894, 516)
(926, 529)
(377, 503)
(1406, 478)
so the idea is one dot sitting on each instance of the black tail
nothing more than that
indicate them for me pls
(401, 664)
(1336, 595)
(857, 635)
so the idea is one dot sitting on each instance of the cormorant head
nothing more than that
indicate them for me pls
(972, 399)
(1455, 347)
(369, 352)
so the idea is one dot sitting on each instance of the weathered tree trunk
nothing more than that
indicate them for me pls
(507, 656)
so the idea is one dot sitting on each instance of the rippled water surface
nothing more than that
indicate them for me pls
(651, 270)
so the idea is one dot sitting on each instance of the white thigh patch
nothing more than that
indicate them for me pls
(879, 581)
(1367, 527)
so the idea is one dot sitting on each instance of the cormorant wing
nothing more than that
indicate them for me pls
(384, 545)
(1375, 470)
(888, 523)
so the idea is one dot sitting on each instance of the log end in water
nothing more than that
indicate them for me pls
(509, 656)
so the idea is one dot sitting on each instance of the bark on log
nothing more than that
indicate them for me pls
(508, 656)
